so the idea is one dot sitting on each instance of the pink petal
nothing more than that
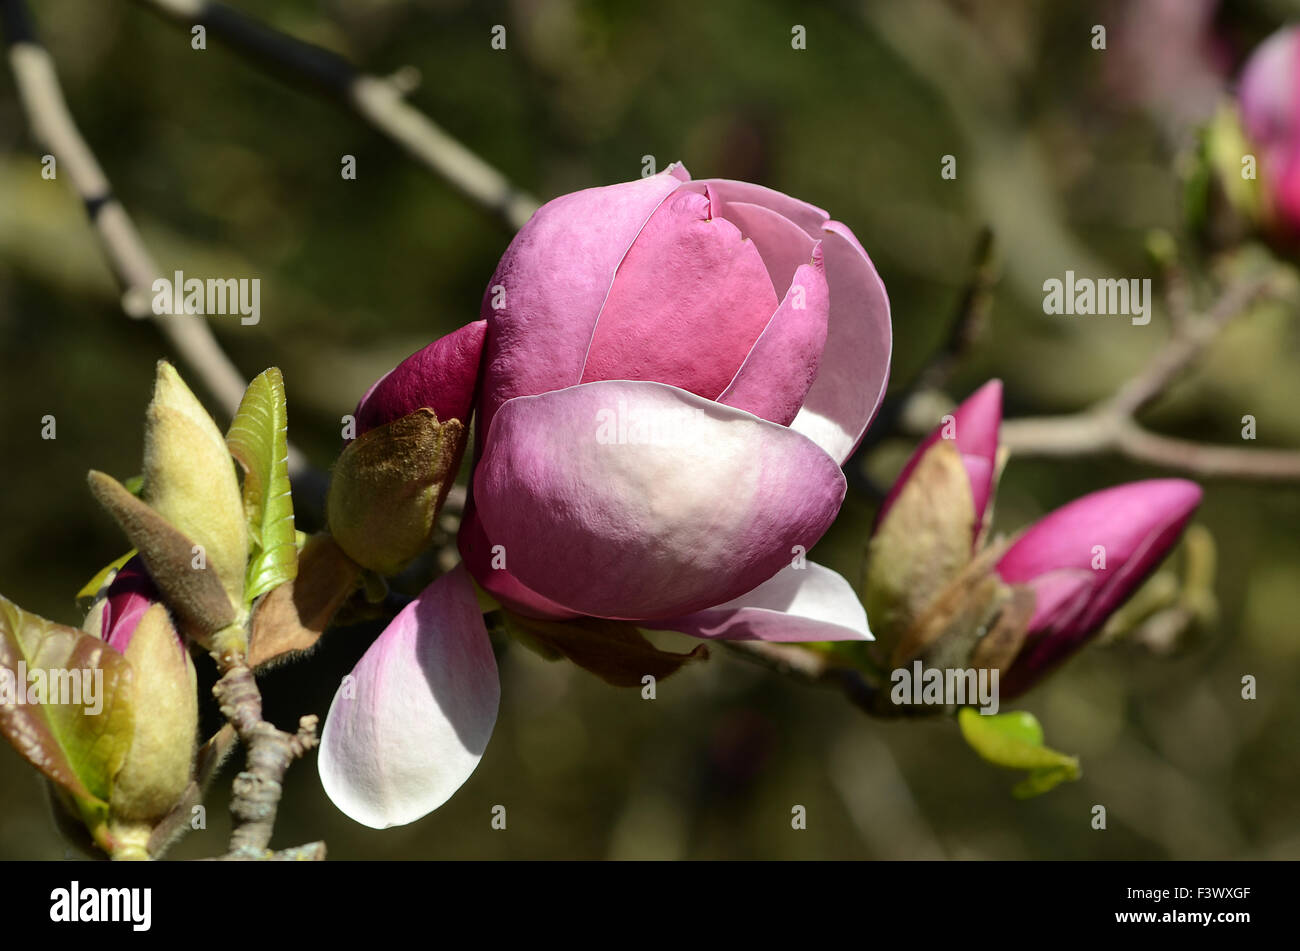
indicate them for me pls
(808, 217)
(780, 369)
(687, 303)
(1269, 90)
(130, 595)
(637, 500)
(1060, 598)
(477, 550)
(411, 722)
(1269, 99)
(442, 377)
(796, 604)
(976, 424)
(855, 364)
(781, 243)
(556, 275)
(1136, 525)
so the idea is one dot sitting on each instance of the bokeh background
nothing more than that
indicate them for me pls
(1069, 154)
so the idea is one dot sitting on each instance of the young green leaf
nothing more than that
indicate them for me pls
(1015, 740)
(259, 441)
(91, 587)
(80, 751)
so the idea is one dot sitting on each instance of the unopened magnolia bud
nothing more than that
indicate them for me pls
(933, 519)
(388, 486)
(190, 480)
(165, 697)
(1084, 560)
(922, 544)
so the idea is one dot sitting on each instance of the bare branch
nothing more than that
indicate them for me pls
(378, 101)
(54, 129)
(256, 792)
(1111, 427)
(1190, 338)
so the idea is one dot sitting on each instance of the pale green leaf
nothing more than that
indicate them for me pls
(1040, 781)
(91, 587)
(259, 440)
(1015, 740)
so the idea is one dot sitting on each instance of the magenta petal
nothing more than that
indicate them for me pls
(1060, 598)
(411, 722)
(687, 303)
(776, 376)
(477, 550)
(976, 423)
(796, 604)
(553, 279)
(638, 500)
(855, 364)
(441, 377)
(131, 593)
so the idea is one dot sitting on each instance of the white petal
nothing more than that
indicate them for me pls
(811, 603)
(411, 722)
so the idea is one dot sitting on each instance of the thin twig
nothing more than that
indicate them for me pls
(378, 101)
(1087, 434)
(1185, 346)
(1111, 427)
(54, 129)
(190, 335)
(256, 791)
(311, 852)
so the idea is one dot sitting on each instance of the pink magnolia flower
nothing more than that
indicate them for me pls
(1084, 560)
(672, 374)
(1269, 97)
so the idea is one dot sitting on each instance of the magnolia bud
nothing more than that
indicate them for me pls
(390, 482)
(933, 518)
(920, 546)
(158, 764)
(388, 486)
(190, 480)
(1083, 561)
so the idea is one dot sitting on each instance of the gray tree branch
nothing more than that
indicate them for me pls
(256, 791)
(380, 102)
(54, 129)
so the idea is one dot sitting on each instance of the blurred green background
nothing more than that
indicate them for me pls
(1068, 153)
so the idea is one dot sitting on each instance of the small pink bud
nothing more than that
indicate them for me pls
(1084, 560)
(973, 428)
(1269, 98)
